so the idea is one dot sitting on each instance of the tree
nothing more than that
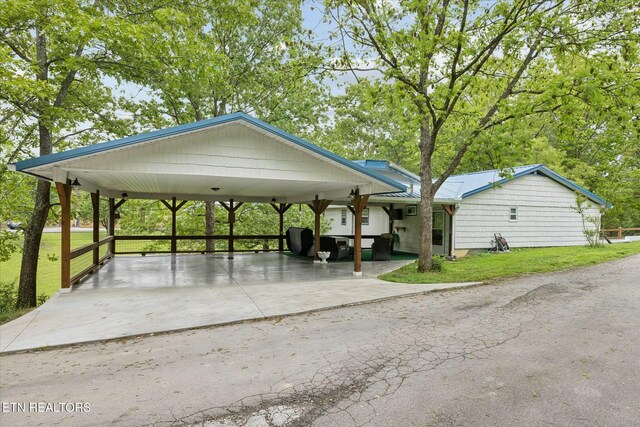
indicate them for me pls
(466, 67)
(365, 128)
(220, 57)
(55, 56)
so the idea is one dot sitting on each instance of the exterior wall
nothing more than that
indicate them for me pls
(408, 229)
(545, 215)
(378, 222)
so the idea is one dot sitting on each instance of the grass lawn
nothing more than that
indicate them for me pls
(489, 266)
(49, 263)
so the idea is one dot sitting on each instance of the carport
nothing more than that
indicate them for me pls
(230, 159)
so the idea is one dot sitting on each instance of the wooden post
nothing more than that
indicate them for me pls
(64, 194)
(95, 203)
(231, 210)
(359, 203)
(389, 212)
(174, 208)
(111, 228)
(174, 242)
(281, 208)
(619, 232)
(450, 210)
(113, 206)
(316, 231)
(318, 206)
(232, 220)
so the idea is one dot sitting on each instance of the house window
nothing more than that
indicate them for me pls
(365, 216)
(513, 214)
(343, 217)
(437, 232)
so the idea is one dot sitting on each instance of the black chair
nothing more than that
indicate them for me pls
(381, 249)
(299, 240)
(339, 248)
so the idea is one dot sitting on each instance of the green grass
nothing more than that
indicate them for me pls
(490, 266)
(8, 316)
(48, 279)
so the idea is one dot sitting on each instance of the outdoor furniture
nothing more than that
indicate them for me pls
(390, 237)
(381, 249)
(299, 240)
(338, 246)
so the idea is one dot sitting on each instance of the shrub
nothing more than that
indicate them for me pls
(437, 263)
(8, 296)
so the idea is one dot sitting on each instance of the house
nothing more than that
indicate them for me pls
(533, 207)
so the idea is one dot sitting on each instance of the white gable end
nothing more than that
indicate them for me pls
(239, 159)
(545, 215)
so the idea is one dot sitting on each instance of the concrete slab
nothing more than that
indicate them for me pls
(140, 295)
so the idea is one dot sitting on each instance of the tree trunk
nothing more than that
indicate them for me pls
(210, 222)
(426, 200)
(31, 248)
(35, 226)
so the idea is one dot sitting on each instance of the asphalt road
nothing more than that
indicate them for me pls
(559, 348)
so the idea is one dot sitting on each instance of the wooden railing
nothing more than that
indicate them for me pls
(96, 260)
(230, 240)
(229, 247)
(619, 231)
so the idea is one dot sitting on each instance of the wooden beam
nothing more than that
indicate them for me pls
(353, 211)
(174, 207)
(448, 209)
(318, 206)
(111, 229)
(95, 203)
(64, 194)
(281, 208)
(451, 210)
(174, 226)
(231, 209)
(120, 203)
(388, 211)
(359, 204)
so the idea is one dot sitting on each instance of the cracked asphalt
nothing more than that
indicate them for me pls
(561, 348)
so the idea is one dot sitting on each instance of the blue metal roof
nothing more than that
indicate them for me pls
(473, 183)
(466, 185)
(390, 170)
(24, 165)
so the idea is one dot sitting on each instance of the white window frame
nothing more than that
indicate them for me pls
(513, 214)
(343, 217)
(365, 216)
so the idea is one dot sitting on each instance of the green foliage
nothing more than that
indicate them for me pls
(8, 299)
(151, 217)
(370, 123)
(468, 76)
(8, 296)
(591, 224)
(219, 57)
(488, 267)
(9, 243)
(437, 264)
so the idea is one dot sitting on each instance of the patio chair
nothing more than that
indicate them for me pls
(339, 247)
(299, 240)
(390, 237)
(381, 249)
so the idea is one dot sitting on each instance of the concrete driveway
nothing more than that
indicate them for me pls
(553, 349)
(140, 295)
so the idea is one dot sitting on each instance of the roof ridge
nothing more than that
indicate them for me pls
(497, 170)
